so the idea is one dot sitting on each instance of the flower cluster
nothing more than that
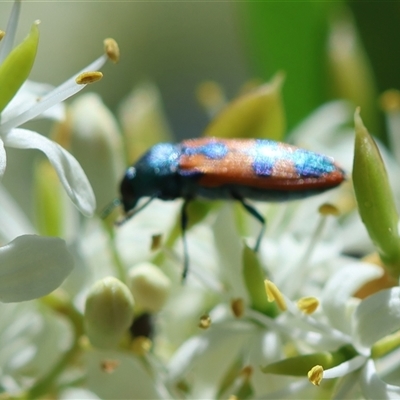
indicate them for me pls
(303, 318)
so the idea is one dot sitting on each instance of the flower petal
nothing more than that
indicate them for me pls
(344, 368)
(57, 95)
(32, 266)
(341, 287)
(27, 97)
(376, 316)
(7, 43)
(68, 169)
(132, 379)
(13, 221)
(374, 387)
(3, 159)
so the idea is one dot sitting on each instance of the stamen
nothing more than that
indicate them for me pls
(237, 307)
(324, 210)
(274, 294)
(328, 209)
(390, 101)
(109, 366)
(156, 241)
(111, 49)
(308, 305)
(88, 77)
(247, 372)
(2, 34)
(205, 321)
(141, 345)
(315, 375)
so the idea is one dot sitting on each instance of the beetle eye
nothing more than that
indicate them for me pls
(128, 197)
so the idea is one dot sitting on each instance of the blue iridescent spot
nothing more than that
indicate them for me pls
(310, 164)
(267, 153)
(212, 150)
(163, 158)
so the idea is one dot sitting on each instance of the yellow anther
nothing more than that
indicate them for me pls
(274, 294)
(88, 77)
(141, 345)
(315, 375)
(247, 372)
(390, 101)
(205, 321)
(111, 49)
(156, 241)
(328, 209)
(237, 306)
(2, 34)
(109, 366)
(308, 304)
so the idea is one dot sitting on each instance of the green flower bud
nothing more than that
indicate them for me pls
(108, 312)
(375, 198)
(15, 69)
(150, 287)
(257, 114)
(254, 280)
(48, 197)
(301, 365)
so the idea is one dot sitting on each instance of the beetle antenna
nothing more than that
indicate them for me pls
(108, 209)
(134, 211)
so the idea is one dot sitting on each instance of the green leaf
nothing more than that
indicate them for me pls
(15, 69)
(375, 198)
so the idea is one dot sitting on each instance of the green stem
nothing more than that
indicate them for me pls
(62, 306)
(45, 385)
(118, 264)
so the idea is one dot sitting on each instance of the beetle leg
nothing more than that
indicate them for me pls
(250, 209)
(184, 222)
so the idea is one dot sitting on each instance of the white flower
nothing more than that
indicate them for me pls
(26, 106)
(31, 265)
(343, 320)
(373, 319)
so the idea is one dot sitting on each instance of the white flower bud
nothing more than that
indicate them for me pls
(97, 145)
(150, 286)
(108, 312)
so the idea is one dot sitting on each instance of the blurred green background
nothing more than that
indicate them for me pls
(180, 44)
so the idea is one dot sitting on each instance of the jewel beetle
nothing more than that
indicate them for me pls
(227, 169)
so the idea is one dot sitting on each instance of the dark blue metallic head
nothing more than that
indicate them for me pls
(154, 175)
